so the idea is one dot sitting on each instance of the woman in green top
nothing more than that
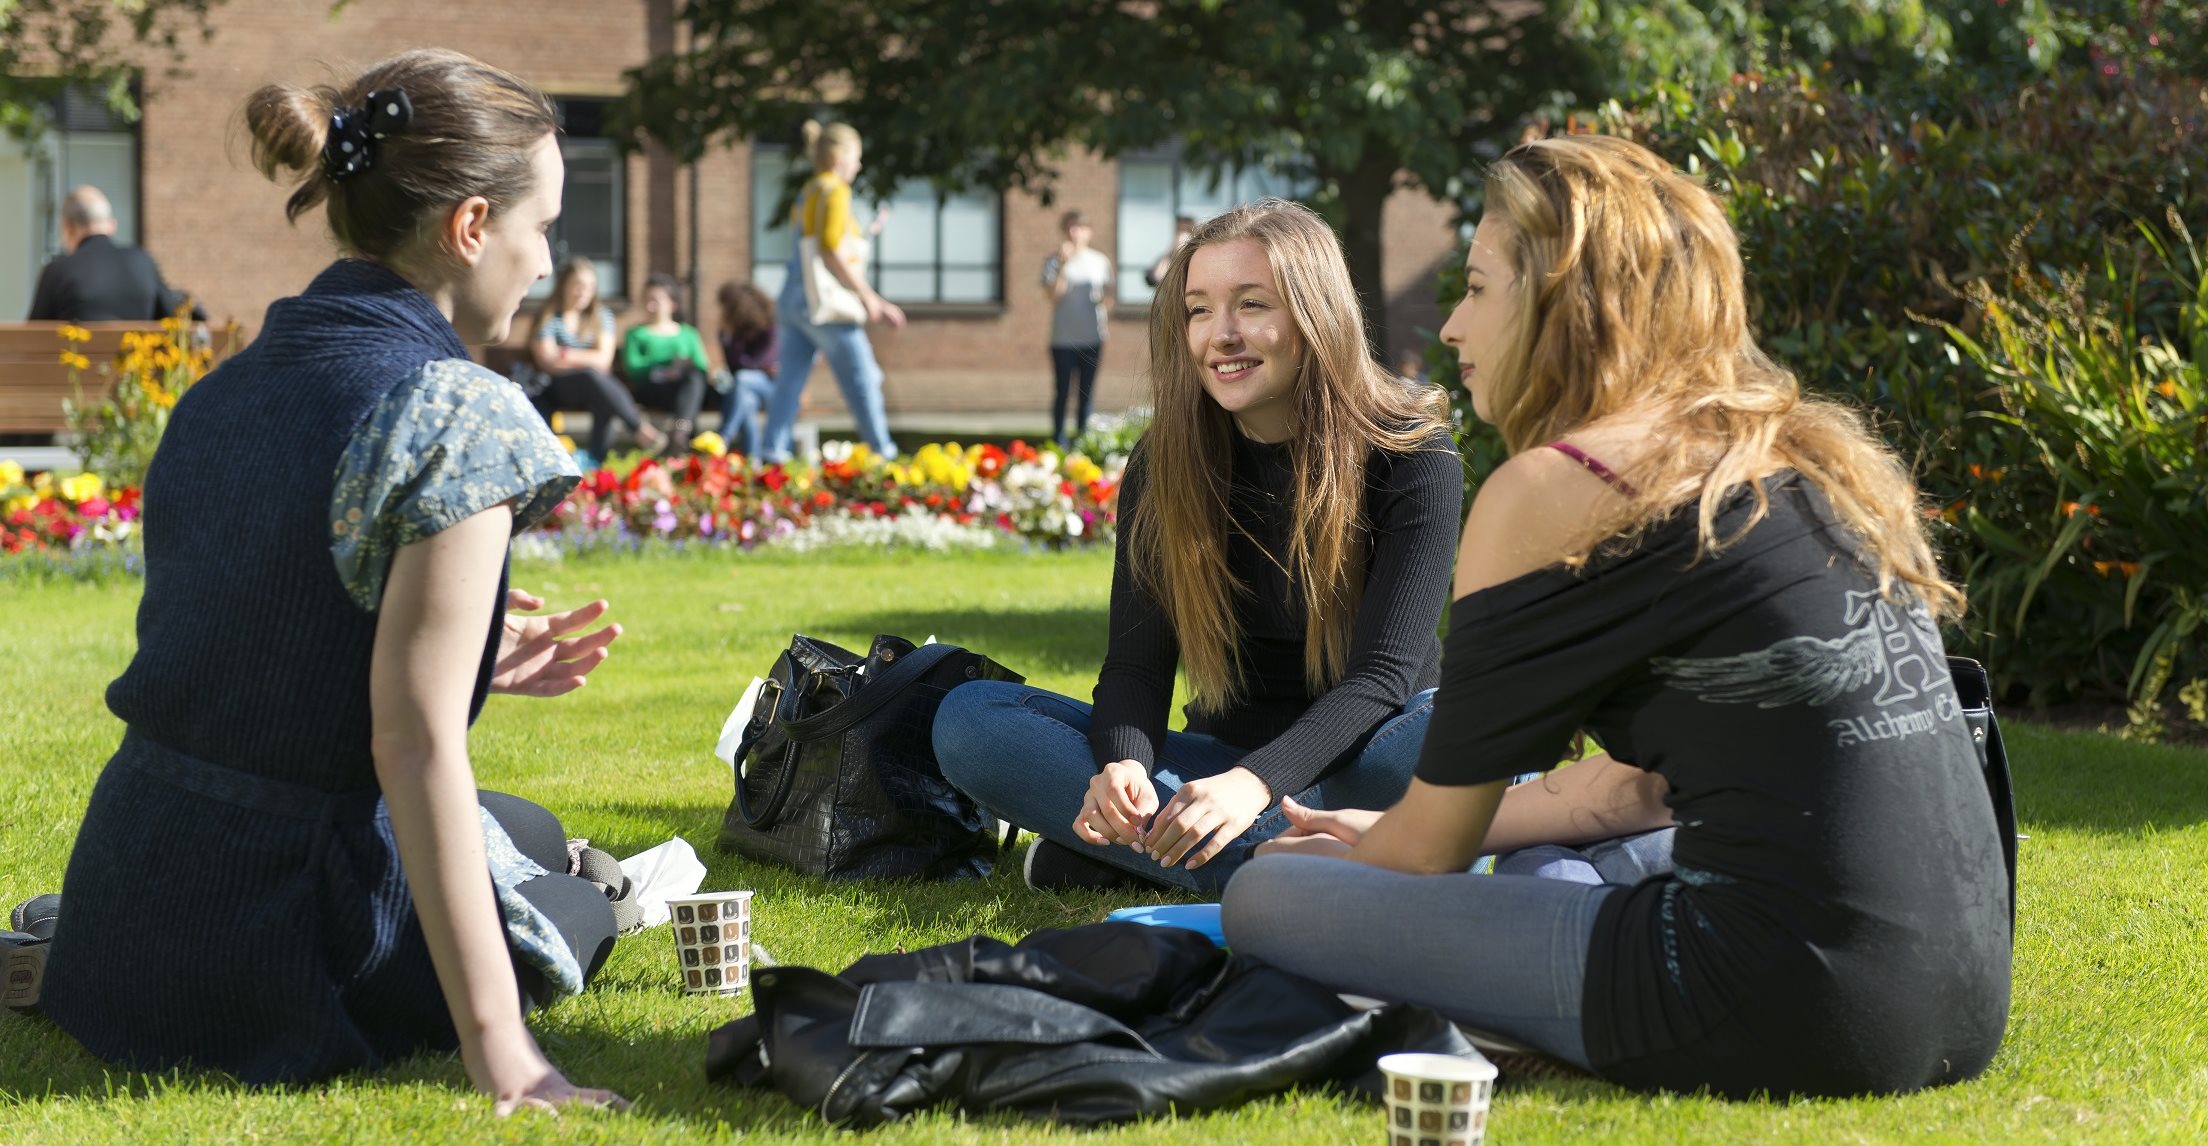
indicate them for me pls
(663, 360)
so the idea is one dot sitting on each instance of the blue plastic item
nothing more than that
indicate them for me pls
(1202, 918)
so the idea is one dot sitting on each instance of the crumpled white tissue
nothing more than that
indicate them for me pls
(659, 874)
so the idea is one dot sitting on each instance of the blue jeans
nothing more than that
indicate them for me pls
(850, 358)
(748, 393)
(1023, 754)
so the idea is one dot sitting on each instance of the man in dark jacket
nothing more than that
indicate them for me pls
(98, 281)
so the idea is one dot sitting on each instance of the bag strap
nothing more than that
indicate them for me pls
(869, 699)
(764, 818)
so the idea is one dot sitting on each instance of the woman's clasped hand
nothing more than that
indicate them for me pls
(1202, 817)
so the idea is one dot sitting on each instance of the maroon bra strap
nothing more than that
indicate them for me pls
(1594, 466)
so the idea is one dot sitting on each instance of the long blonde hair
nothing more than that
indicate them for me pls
(1632, 301)
(823, 142)
(1345, 406)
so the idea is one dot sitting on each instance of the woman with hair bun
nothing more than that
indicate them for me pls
(824, 222)
(1726, 583)
(292, 819)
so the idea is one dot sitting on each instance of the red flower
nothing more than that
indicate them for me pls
(601, 482)
(933, 500)
(991, 462)
(774, 478)
(1022, 452)
(1065, 487)
(823, 498)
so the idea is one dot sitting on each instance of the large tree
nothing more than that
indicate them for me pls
(51, 46)
(1356, 99)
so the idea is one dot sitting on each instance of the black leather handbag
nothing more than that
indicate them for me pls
(1974, 688)
(836, 774)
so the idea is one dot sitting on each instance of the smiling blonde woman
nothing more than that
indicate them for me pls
(1289, 518)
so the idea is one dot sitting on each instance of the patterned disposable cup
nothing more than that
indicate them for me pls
(1437, 1099)
(712, 941)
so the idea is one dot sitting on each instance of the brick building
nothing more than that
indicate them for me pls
(965, 269)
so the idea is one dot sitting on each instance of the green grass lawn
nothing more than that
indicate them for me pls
(2108, 1039)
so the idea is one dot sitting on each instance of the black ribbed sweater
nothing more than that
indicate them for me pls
(1413, 508)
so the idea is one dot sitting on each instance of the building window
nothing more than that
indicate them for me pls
(933, 247)
(78, 142)
(593, 222)
(1155, 189)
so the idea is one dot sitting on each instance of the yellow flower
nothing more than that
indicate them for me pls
(75, 361)
(859, 455)
(559, 422)
(710, 444)
(11, 473)
(2167, 389)
(82, 487)
(43, 483)
(75, 334)
(1082, 470)
(567, 443)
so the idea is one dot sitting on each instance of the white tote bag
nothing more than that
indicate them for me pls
(827, 300)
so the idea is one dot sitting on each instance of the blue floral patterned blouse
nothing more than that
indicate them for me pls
(446, 445)
(453, 442)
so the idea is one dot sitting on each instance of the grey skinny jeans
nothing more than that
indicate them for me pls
(1500, 953)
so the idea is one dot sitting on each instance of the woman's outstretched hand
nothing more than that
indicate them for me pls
(1316, 831)
(538, 657)
(1206, 815)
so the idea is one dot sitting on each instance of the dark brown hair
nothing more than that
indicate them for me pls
(471, 132)
(745, 311)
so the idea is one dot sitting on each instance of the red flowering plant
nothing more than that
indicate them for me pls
(42, 512)
(716, 497)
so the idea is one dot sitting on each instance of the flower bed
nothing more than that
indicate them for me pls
(43, 514)
(942, 497)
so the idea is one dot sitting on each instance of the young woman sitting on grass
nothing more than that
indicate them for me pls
(572, 347)
(664, 361)
(1289, 519)
(286, 871)
(1729, 586)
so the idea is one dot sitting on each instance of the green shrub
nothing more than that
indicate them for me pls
(2087, 552)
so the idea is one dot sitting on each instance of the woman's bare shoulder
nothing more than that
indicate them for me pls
(1526, 516)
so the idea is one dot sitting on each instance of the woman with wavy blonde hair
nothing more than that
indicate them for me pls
(1728, 586)
(1288, 523)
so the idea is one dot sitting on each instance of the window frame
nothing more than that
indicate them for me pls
(936, 267)
(584, 132)
(1179, 168)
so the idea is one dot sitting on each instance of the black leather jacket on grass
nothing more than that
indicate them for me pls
(1094, 1024)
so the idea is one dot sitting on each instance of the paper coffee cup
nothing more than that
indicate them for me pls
(1437, 1099)
(712, 941)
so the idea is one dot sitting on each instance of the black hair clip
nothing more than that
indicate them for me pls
(351, 146)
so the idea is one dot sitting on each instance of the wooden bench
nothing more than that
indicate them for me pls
(34, 383)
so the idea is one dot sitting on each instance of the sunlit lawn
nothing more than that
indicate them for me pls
(2108, 1040)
